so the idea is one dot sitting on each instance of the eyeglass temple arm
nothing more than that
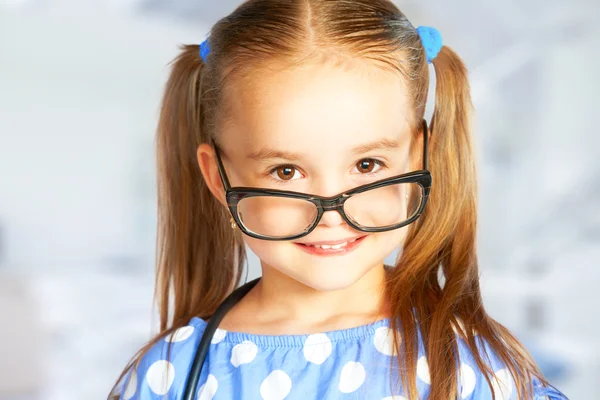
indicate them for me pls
(222, 173)
(425, 145)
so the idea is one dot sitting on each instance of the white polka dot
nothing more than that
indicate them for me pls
(384, 341)
(160, 376)
(353, 375)
(180, 334)
(423, 370)
(243, 353)
(317, 348)
(394, 398)
(502, 386)
(276, 386)
(208, 390)
(131, 386)
(218, 336)
(467, 380)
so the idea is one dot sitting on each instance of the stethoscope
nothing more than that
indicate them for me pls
(202, 350)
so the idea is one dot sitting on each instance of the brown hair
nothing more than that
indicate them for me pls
(200, 259)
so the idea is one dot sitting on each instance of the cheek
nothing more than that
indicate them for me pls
(272, 252)
(387, 242)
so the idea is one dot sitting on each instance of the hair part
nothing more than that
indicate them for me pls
(200, 259)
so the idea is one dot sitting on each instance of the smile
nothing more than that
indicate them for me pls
(331, 249)
(337, 246)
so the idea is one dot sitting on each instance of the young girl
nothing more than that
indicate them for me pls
(297, 129)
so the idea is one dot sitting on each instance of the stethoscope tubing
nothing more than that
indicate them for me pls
(191, 385)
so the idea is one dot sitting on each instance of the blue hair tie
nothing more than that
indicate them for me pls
(432, 41)
(204, 50)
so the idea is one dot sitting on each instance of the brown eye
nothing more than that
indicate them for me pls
(365, 166)
(285, 173)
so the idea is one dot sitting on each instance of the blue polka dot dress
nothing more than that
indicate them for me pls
(355, 363)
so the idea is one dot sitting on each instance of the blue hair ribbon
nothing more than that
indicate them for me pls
(431, 40)
(204, 50)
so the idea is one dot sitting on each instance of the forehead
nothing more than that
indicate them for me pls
(329, 106)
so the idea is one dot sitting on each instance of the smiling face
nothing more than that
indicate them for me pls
(320, 130)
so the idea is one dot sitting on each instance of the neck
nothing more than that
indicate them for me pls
(284, 300)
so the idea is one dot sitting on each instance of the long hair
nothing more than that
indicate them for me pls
(434, 286)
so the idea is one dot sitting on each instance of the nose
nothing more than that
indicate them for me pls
(331, 218)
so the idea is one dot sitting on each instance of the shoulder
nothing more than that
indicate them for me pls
(161, 372)
(474, 385)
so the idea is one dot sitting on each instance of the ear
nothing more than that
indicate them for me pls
(207, 161)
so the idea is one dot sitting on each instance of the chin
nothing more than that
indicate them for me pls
(326, 281)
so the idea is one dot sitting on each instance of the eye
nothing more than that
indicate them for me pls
(366, 165)
(283, 172)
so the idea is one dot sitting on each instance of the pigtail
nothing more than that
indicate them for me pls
(199, 258)
(196, 247)
(451, 119)
(455, 205)
(450, 226)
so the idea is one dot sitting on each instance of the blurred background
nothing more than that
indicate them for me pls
(80, 84)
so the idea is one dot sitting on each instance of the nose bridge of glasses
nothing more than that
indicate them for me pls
(332, 203)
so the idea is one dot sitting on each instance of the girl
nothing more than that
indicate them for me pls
(297, 129)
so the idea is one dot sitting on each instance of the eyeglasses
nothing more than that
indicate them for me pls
(380, 206)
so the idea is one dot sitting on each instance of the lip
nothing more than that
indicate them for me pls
(330, 242)
(317, 251)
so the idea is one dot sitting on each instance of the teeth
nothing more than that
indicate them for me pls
(327, 246)
(338, 246)
(335, 247)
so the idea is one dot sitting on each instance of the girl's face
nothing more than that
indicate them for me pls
(320, 130)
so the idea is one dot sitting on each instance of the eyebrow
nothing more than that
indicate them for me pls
(383, 144)
(269, 154)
